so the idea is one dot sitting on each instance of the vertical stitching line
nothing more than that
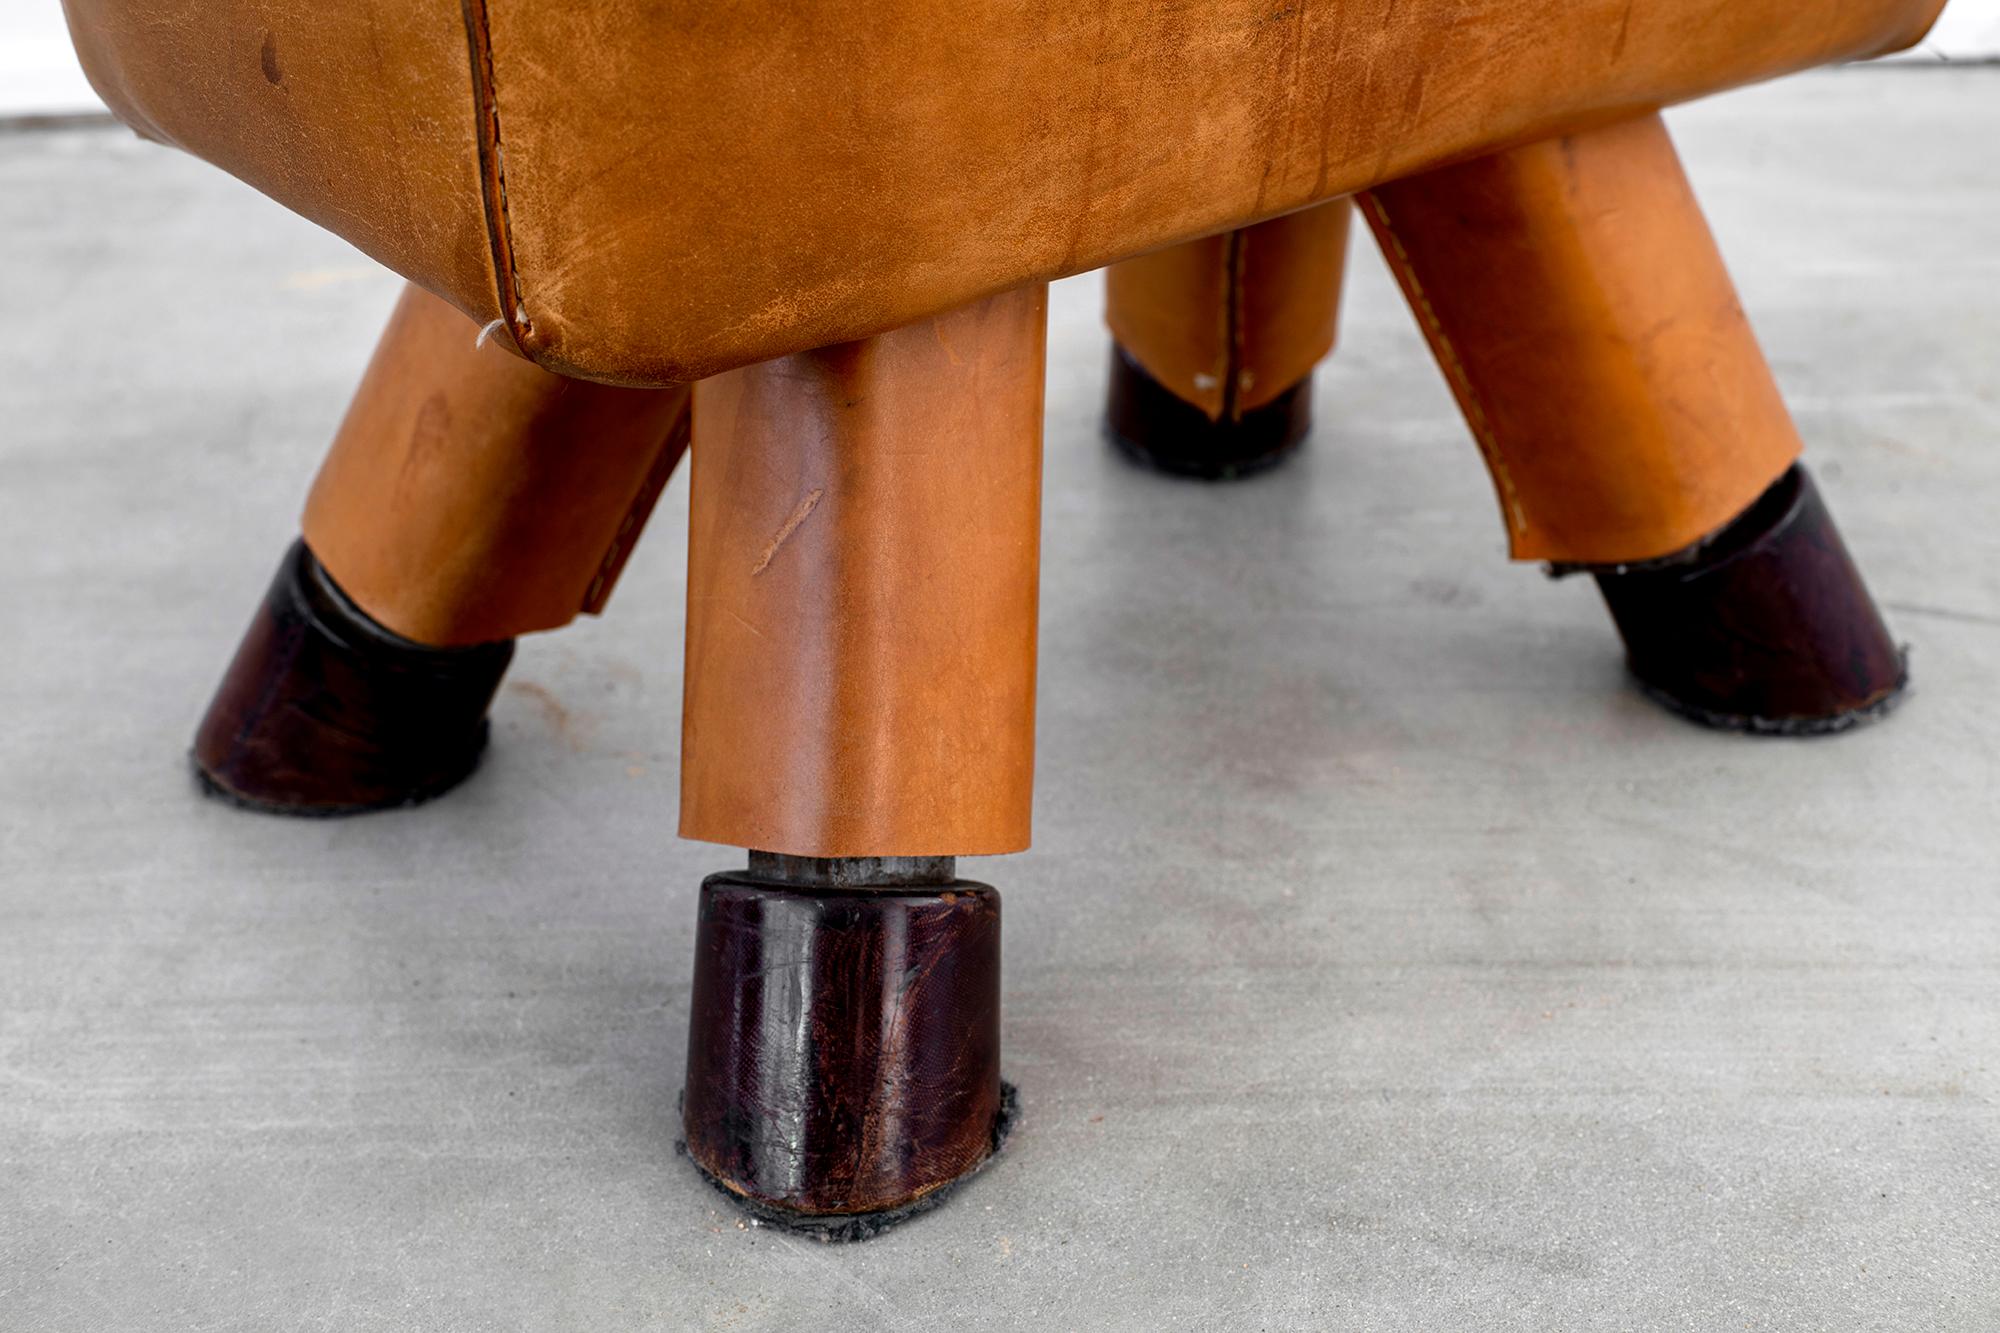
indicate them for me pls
(1454, 368)
(480, 38)
(1232, 318)
(672, 446)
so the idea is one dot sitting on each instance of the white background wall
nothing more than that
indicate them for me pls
(38, 73)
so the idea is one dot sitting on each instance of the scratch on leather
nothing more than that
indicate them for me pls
(791, 525)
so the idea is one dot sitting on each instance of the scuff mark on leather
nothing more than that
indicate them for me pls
(791, 525)
(937, 327)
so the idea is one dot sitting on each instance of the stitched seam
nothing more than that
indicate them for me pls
(1232, 325)
(1448, 359)
(641, 509)
(500, 225)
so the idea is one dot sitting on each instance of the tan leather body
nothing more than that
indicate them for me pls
(1229, 322)
(863, 558)
(359, 115)
(650, 191)
(471, 496)
(1578, 307)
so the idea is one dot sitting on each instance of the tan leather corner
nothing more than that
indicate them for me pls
(471, 496)
(1230, 322)
(356, 113)
(1581, 313)
(1919, 20)
(863, 555)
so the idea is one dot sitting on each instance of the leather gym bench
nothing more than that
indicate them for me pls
(814, 239)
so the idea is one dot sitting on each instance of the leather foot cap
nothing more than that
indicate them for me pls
(324, 712)
(1766, 628)
(1154, 427)
(843, 1048)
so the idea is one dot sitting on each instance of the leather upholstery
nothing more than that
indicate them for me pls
(652, 192)
(1576, 302)
(863, 552)
(1230, 322)
(356, 113)
(470, 496)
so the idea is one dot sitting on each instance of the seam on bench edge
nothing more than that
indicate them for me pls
(1449, 361)
(493, 174)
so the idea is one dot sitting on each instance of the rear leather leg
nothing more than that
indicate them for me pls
(1214, 343)
(1578, 307)
(469, 497)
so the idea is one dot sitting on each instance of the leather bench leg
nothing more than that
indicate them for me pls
(469, 497)
(1580, 311)
(1214, 343)
(860, 685)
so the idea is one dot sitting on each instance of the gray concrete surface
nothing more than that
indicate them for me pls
(1383, 961)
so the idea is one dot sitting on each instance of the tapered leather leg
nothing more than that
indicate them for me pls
(1577, 305)
(469, 497)
(1214, 343)
(862, 586)
(863, 555)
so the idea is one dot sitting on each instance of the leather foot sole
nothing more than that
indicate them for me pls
(844, 1048)
(1767, 628)
(324, 712)
(1154, 427)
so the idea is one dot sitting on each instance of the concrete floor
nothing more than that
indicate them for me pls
(1383, 960)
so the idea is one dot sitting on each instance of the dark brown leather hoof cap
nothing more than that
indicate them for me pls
(1767, 628)
(324, 712)
(1155, 428)
(844, 1048)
